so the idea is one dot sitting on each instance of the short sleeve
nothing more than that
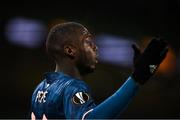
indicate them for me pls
(77, 100)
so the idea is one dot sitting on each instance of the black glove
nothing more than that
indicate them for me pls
(147, 62)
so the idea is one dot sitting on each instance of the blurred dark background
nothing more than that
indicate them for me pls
(23, 30)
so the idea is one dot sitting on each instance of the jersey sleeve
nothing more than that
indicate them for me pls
(77, 100)
(116, 103)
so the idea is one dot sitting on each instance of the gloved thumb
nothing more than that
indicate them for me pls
(137, 52)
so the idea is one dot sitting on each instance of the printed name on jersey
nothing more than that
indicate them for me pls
(41, 96)
(80, 98)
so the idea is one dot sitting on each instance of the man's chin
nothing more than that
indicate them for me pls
(90, 69)
(87, 69)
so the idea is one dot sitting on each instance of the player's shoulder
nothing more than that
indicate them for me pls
(79, 84)
(76, 87)
(75, 82)
(39, 86)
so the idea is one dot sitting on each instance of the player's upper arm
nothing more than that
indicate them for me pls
(77, 100)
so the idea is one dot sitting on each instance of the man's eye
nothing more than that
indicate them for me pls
(89, 42)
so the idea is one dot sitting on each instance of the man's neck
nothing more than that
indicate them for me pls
(69, 69)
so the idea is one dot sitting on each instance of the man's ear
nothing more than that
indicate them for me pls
(70, 51)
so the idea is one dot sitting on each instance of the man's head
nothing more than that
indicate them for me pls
(72, 41)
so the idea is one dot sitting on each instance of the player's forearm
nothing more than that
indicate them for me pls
(116, 103)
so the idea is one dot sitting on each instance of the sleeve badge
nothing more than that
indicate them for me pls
(80, 98)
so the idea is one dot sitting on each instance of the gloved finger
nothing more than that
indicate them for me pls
(137, 53)
(163, 54)
(158, 43)
(155, 48)
(136, 49)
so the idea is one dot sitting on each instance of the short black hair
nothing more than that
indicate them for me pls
(61, 34)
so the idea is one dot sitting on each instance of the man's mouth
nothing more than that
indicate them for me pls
(96, 59)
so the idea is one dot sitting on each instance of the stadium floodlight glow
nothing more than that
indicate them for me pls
(25, 32)
(115, 50)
